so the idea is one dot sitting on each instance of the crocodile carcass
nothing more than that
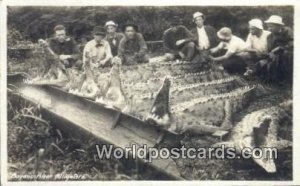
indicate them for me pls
(261, 129)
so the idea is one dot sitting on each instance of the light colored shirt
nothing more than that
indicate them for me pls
(235, 45)
(258, 43)
(97, 51)
(202, 39)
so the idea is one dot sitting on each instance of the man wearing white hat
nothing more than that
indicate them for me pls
(279, 65)
(205, 35)
(234, 47)
(257, 39)
(256, 43)
(113, 37)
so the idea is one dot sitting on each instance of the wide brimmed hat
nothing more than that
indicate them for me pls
(275, 20)
(111, 23)
(225, 33)
(136, 28)
(257, 23)
(197, 14)
(99, 30)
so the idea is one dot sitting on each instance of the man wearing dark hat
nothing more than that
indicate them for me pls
(98, 49)
(65, 47)
(113, 37)
(178, 41)
(132, 48)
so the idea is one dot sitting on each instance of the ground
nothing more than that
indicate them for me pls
(37, 147)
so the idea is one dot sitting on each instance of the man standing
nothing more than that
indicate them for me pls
(65, 48)
(233, 47)
(279, 65)
(178, 41)
(98, 49)
(205, 35)
(113, 37)
(132, 48)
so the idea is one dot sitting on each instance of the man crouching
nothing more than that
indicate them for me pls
(98, 49)
(132, 48)
(65, 48)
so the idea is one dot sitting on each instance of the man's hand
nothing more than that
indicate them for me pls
(64, 57)
(43, 43)
(179, 42)
(102, 62)
(272, 55)
(211, 57)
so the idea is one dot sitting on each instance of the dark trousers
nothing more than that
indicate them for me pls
(276, 70)
(188, 50)
(235, 65)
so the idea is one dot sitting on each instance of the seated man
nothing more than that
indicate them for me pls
(205, 36)
(132, 48)
(65, 48)
(233, 47)
(178, 41)
(98, 49)
(113, 37)
(256, 43)
(279, 65)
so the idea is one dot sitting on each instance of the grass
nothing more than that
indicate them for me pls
(35, 147)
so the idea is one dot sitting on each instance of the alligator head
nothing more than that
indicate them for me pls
(160, 111)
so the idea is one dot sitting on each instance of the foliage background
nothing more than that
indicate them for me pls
(38, 22)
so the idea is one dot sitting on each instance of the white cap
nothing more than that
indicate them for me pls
(197, 14)
(256, 23)
(110, 23)
(275, 19)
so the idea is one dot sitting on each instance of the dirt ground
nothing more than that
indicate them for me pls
(28, 135)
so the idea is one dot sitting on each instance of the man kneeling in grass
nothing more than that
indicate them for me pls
(233, 47)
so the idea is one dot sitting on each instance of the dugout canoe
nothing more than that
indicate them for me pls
(85, 118)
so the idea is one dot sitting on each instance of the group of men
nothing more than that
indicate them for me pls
(265, 53)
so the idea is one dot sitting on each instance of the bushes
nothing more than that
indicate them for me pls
(38, 22)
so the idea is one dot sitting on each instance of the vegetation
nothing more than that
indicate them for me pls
(38, 22)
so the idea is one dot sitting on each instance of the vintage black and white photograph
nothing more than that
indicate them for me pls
(106, 93)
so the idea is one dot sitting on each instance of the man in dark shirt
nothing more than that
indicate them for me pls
(132, 48)
(178, 41)
(278, 67)
(113, 37)
(65, 48)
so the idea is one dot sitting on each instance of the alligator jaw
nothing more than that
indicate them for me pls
(156, 120)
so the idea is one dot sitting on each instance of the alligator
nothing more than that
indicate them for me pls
(115, 96)
(160, 111)
(89, 88)
(260, 129)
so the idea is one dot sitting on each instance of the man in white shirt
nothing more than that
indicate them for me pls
(205, 35)
(98, 49)
(234, 48)
(257, 39)
(256, 44)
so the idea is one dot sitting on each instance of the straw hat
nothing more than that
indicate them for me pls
(275, 20)
(111, 23)
(197, 14)
(225, 33)
(257, 23)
